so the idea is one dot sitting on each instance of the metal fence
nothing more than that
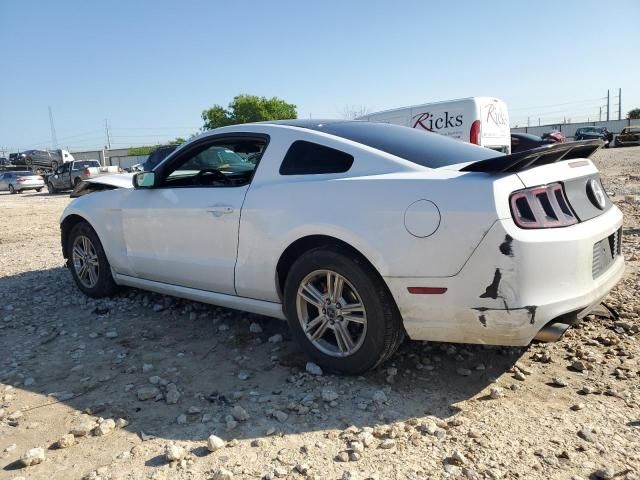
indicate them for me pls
(569, 129)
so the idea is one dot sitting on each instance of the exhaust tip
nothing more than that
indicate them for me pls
(551, 332)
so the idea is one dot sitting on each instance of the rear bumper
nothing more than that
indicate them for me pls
(29, 185)
(514, 283)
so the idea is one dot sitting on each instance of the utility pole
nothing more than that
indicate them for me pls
(538, 121)
(106, 134)
(600, 115)
(54, 140)
(619, 104)
(608, 104)
(528, 121)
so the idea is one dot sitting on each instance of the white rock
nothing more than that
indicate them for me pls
(222, 474)
(147, 367)
(82, 429)
(147, 393)
(277, 338)
(313, 369)
(215, 443)
(104, 428)
(111, 334)
(174, 452)
(329, 395)
(379, 396)
(387, 443)
(280, 416)
(66, 441)
(240, 413)
(255, 328)
(33, 456)
(173, 395)
(121, 423)
(181, 419)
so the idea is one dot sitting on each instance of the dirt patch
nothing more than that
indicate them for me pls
(142, 376)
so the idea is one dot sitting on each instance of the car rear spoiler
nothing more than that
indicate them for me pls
(517, 162)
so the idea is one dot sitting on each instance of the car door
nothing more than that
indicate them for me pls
(184, 230)
(3, 182)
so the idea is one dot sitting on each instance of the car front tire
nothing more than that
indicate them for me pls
(340, 311)
(12, 190)
(50, 188)
(88, 263)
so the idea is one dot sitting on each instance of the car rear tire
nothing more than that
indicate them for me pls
(12, 190)
(76, 181)
(54, 165)
(50, 188)
(88, 263)
(341, 312)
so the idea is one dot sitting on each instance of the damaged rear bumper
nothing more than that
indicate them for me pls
(516, 282)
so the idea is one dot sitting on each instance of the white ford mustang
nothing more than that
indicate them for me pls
(358, 233)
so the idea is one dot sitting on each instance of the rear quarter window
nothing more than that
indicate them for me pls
(308, 158)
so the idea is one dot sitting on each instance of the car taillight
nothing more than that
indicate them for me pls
(474, 135)
(542, 207)
(85, 172)
(120, 170)
(20, 179)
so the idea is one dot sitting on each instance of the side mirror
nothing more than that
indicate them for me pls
(144, 180)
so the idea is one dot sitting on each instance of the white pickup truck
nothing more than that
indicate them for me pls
(69, 175)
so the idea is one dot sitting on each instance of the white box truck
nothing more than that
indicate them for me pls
(483, 121)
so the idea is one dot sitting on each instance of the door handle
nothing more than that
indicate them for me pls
(219, 210)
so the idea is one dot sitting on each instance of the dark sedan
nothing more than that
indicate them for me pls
(629, 136)
(594, 133)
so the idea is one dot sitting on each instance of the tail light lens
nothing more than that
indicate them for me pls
(542, 207)
(20, 179)
(474, 135)
(85, 172)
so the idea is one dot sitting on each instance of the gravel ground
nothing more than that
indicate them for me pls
(134, 387)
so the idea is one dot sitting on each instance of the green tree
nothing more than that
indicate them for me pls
(248, 108)
(634, 114)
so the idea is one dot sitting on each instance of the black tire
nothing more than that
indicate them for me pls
(105, 286)
(76, 181)
(50, 188)
(385, 331)
(54, 165)
(39, 189)
(12, 190)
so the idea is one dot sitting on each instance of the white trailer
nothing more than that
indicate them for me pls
(483, 121)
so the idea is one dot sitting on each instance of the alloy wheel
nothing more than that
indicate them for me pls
(85, 261)
(331, 313)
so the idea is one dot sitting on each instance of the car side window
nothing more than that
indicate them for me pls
(308, 158)
(217, 163)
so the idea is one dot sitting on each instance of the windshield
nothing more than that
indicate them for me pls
(424, 148)
(86, 164)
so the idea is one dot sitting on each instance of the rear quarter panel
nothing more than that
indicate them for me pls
(366, 211)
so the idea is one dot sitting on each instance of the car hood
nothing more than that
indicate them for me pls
(119, 180)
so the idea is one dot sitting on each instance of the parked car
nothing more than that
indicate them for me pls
(482, 121)
(526, 141)
(15, 159)
(4, 163)
(629, 136)
(70, 174)
(17, 181)
(357, 233)
(588, 133)
(555, 136)
(45, 160)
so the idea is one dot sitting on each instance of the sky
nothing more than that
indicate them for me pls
(149, 67)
